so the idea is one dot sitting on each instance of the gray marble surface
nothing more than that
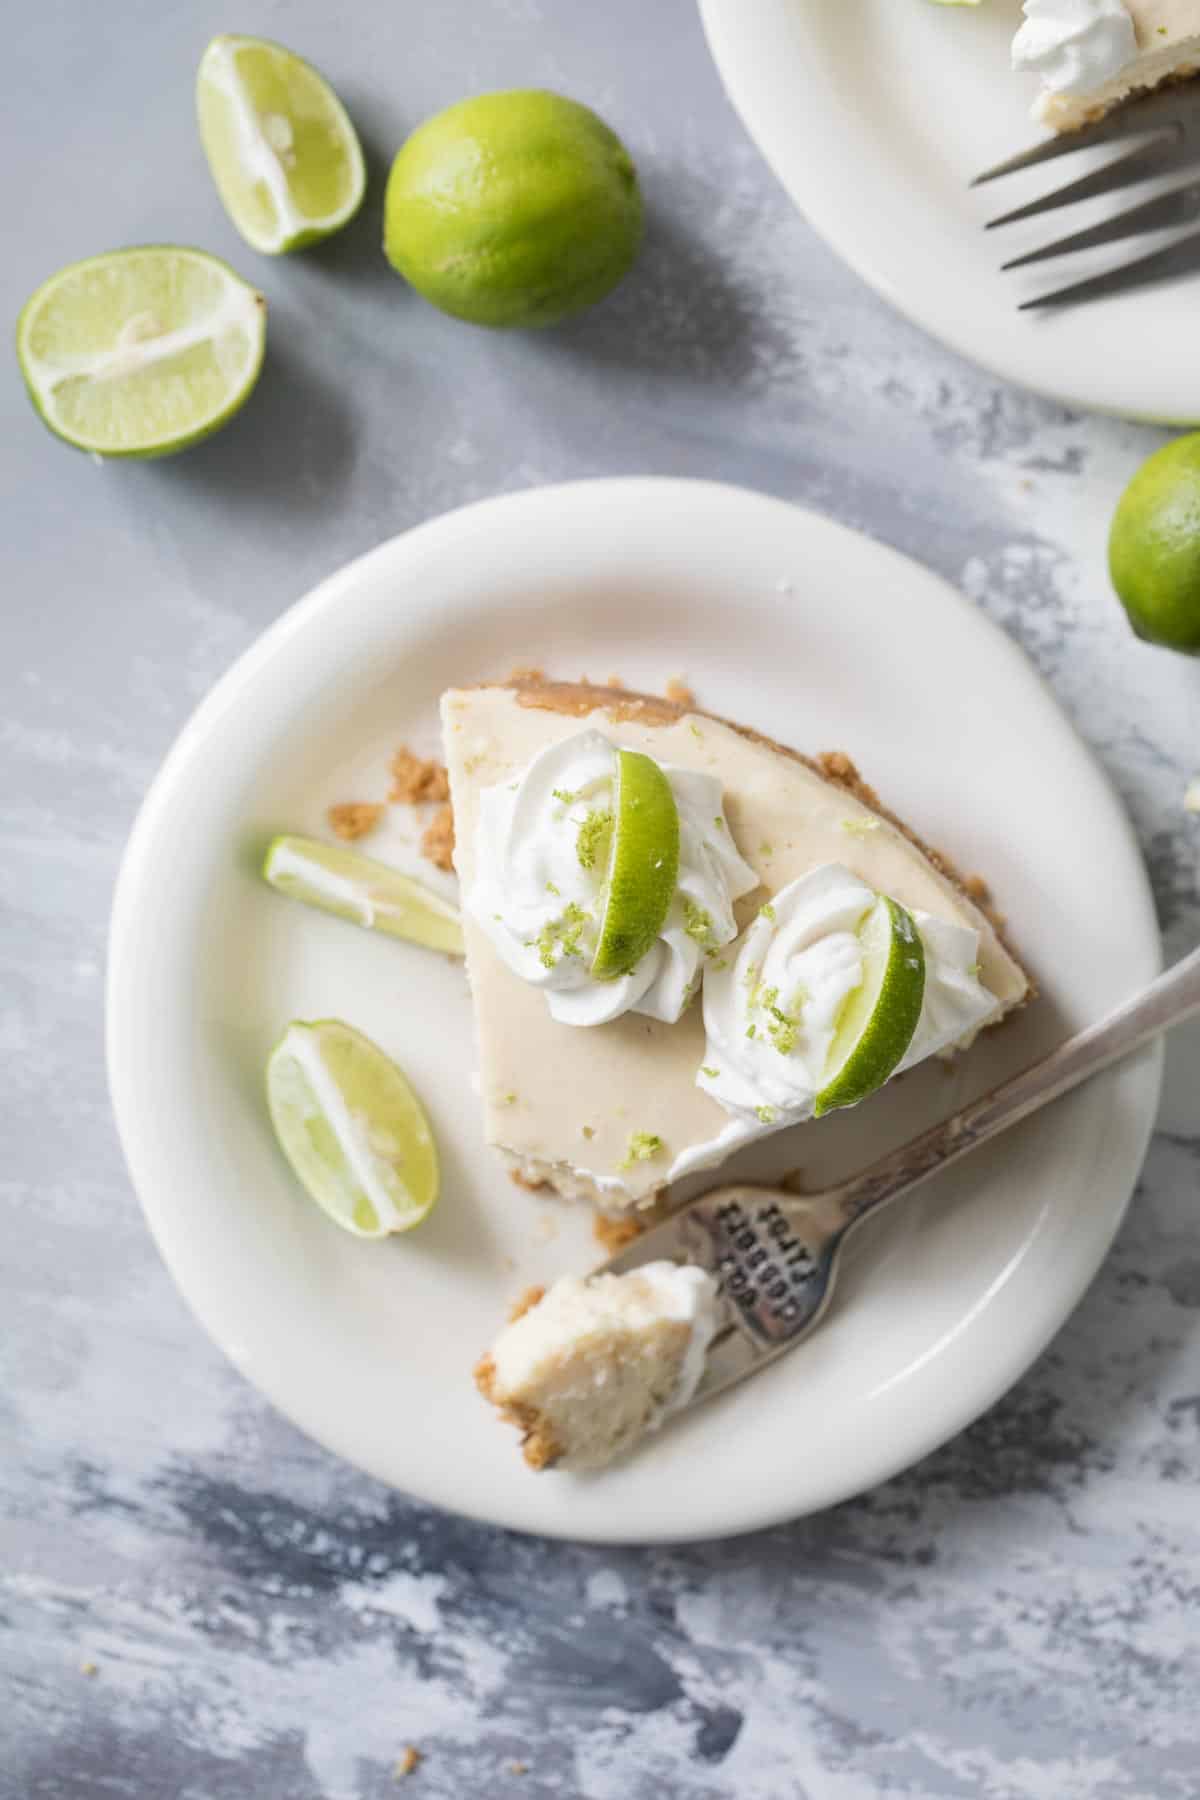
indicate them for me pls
(196, 1603)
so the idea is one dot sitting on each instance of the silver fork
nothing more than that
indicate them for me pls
(1168, 124)
(776, 1254)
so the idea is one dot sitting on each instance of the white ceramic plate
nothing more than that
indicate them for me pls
(778, 618)
(875, 115)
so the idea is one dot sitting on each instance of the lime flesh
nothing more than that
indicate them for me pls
(513, 209)
(352, 1129)
(141, 352)
(643, 866)
(369, 893)
(880, 1016)
(282, 150)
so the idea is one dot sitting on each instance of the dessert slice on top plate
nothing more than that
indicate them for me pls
(671, 924)
(1092, 54)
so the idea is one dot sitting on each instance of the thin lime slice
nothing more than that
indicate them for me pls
(141, 352)
(352, 1128)
(880, 1016)
(368, 893)
(286, 159)
(643, 866)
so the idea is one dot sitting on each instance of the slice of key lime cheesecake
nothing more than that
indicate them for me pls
(682, 936)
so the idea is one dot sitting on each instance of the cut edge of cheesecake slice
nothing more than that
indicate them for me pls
(568, 1106)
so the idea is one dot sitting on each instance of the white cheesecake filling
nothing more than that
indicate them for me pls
(1075, 46)
(770, 1014)
(581, 1312)
(540, 863)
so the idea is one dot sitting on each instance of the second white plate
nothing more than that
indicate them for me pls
(875, 115)
(822, 639)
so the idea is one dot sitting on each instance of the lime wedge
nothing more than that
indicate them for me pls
(141, 352)
(286, 159)
(352, 1128)
(643, 865)
(880, 1016)
(368, 893)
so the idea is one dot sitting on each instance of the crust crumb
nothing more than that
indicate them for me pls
(526, 1303)
(485, 1378)
(529, 677)
(679, 693)
(437, 841)
(518, 1768)
(835, 765)
(352, 819)
(528, 1182)
(417, 779)
(614, 681)
(408, 1763)
(613, 1234)
(539, 1450)
(89, 1668)
(977, 888)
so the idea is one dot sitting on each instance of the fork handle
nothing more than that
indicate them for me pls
(1175, 996)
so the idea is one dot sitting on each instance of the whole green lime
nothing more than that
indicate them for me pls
(1154, 547)
(513, 209)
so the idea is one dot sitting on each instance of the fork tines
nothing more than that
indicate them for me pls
(1168, 120)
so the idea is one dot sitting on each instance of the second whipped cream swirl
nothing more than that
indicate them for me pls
(541, 859)
(771, 1013)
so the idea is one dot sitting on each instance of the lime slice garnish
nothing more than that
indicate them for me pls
(286, 159)
(352, 1128)
(369, 893)
(880, 1016)
(643, 865)
(141, 352)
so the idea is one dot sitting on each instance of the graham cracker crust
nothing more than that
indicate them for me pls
(537, 1446)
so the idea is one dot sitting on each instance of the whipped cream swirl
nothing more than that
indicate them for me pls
(1075, 45)
(541, 856)
(771, 1013)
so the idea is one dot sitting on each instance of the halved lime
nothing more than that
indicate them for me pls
(286, 159)
(141, 352)
(880, 1016)
(352, 1128)
(643, 865)
(367, 892)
